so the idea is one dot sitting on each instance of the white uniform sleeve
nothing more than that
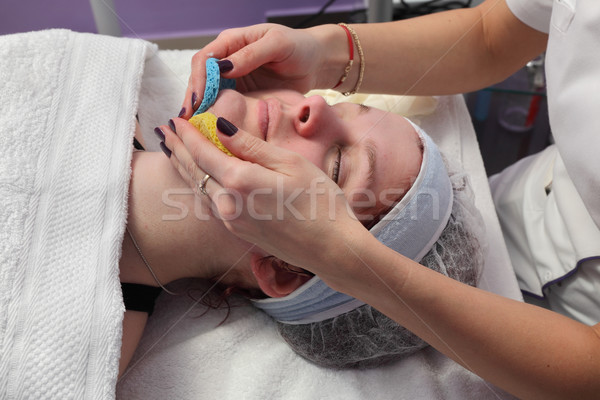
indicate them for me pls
(535, 13)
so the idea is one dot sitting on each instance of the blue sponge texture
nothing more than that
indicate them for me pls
(214, 83)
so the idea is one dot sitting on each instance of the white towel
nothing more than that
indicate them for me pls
(68, 103)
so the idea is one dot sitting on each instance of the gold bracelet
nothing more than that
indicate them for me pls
(361, 59)
(350, 59)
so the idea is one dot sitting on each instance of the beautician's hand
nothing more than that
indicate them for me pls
(267, 56)
(281, 201)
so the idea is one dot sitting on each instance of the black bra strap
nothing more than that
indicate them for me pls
(139, 297)
(137, 145)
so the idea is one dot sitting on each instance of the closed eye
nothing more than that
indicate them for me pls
(336, 166)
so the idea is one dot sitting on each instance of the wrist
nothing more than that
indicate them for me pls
(352, 79)
(343, 267)
(334, 54)
(363, 267)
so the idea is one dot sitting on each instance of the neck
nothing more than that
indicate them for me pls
(175, 230)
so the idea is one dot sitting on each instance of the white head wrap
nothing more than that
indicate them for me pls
(411, 228)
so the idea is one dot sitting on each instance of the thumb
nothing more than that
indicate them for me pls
(254, 149)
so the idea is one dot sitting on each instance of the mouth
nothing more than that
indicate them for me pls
(269, 116)
(263, 119)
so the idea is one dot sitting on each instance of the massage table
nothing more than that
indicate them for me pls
(186, 353)
(68, 117)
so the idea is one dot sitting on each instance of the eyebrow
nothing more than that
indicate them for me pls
(371, 151)
(363, 108)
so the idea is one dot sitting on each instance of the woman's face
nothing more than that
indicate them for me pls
(374, 156)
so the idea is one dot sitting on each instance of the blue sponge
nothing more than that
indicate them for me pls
(214, 83)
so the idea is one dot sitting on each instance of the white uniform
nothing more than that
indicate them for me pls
(549, 204)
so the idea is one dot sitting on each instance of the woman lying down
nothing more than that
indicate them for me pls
(395, 180)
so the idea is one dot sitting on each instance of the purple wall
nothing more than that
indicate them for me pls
(30, 15)
(164, 19)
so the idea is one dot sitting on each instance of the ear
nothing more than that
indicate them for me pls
(272, 279)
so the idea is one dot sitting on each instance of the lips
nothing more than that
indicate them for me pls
(263, 118)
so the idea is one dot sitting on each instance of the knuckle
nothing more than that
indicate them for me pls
(253, 147)
(196, 155)
(226, 39)
(227, 211)
(246, 52)
(278, 34)
(225, 34)
(191, 168)
(234, 179)
(198, 57)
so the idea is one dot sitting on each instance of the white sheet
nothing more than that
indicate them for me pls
(187, 356)
(67, 117)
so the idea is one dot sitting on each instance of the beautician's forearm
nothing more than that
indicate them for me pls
(445, 53)
(526, 350)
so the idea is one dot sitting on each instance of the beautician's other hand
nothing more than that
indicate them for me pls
(281, 201)
(266, 56)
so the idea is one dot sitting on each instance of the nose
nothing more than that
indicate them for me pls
(311, 116)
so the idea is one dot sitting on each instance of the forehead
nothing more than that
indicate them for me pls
(391, 143)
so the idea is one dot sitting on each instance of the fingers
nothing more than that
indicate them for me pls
(196, 84)
(187, 109)
(181, 159)
(197, 81)
(209, 186)
(251, 148)
(247, 49)
(194, 157)
(219, 48)
(263, 45)
(197, 156)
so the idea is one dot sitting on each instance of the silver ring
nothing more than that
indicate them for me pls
(202, 185)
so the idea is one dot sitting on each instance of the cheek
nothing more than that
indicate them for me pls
(364, 203)
(311, 151)
(232, 106)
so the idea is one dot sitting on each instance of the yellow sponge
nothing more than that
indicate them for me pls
(206, 123)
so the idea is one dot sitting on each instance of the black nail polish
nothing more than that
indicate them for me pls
(194, 98)
(165, 149)
(181, 112)
(159, 133)
(172, 125)
(225, 65)
(226, 127)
